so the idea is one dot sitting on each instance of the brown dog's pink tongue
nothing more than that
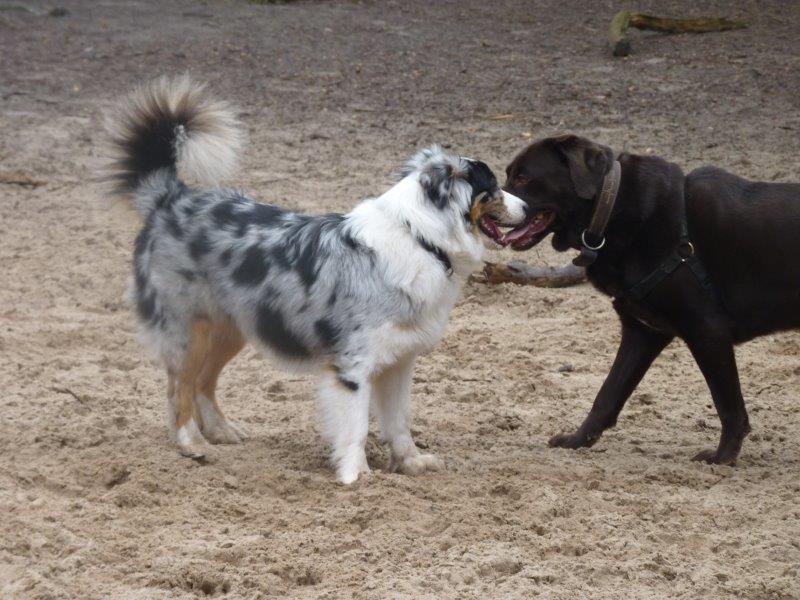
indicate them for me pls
(536, 225)
(518, 232)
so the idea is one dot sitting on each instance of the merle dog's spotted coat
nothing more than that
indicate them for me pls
(360, 294)
(298, 282)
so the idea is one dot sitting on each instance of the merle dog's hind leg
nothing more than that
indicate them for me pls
(638, 349)
(225, 342)
(392, 396)
(344, 417)
(187, 432)
(172, 404)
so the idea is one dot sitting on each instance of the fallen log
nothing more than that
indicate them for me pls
(524, 274)
(624, 20)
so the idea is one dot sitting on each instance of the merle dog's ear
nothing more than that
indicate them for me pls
(436, 180)
(588, 163)
(436, 171)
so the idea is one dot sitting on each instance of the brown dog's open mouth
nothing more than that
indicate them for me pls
(529, 233)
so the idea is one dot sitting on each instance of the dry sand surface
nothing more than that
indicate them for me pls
(95, 503)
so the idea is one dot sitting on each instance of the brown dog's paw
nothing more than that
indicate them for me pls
(715, 457)
(572, 440)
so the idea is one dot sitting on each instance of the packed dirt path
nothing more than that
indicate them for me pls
(95, 502)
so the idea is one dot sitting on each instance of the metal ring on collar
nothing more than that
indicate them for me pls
(586, 244)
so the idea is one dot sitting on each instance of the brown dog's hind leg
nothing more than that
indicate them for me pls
(638, 349)
(187, 433)
(226, 341)
(713, 351)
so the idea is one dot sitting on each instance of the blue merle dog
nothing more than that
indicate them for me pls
(356, 296)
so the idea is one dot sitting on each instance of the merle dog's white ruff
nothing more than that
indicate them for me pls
(358, 295)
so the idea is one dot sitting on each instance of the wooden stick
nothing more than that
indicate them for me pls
(523, 274)
(20, 179)
(624, 20)
(702, 25)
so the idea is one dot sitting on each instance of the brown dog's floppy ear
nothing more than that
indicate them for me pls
(588, 163)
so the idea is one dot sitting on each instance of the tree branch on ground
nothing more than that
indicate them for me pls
(624, 20)
(524, 274)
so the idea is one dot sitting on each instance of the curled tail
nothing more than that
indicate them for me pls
(166, 125)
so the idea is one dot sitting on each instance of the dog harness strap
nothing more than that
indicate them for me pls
(593, 237)
(641, 289)
(682, 254)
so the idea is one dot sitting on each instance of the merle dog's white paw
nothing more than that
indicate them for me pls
(215, 427)
(416, 464)
(191, 442)
(353, 466)
(224, 431)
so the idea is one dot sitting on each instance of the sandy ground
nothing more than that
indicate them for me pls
(95, 503)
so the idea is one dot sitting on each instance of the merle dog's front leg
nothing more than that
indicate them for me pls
(712, 348)
(638, 349)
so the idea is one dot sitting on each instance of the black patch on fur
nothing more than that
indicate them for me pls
(225, 257)
(240, 214)
(146, 304)
(145, 301)
(304, 253)
(279, 256)
(264, 214)
(175, 190)
(440, 254)
(271, 328)
(200, 245)
(351, 242)
(186, 274)
(141, 279)
(437, 182)
(149, 145)
(350, 385)
(253, 268)
(144, 240)
(174, 228)
(306, 264)
(140, 245)
(481, 178)
(328, 333)
(225, 213)
(332, 297)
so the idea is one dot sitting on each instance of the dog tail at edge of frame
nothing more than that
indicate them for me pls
(166, 125)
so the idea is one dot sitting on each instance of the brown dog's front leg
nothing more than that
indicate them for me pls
(638, 349)
(713, 351)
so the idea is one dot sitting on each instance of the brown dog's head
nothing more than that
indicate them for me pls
(558, 178)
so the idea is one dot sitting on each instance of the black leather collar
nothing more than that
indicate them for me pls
(602, 213)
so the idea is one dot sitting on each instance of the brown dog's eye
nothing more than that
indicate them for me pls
(521, 179)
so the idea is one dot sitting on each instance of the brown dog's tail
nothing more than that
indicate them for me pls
(169, 124)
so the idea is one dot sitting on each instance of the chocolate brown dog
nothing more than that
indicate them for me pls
(708, 257)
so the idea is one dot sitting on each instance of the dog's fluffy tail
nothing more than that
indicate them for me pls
(166, 125)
